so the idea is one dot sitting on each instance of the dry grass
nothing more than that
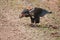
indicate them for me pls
(13, 28)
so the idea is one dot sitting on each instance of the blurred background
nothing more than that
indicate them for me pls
(14, 28)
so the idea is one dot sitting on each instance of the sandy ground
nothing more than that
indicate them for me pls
(14, 28)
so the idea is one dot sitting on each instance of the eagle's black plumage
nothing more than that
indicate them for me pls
(35, 14)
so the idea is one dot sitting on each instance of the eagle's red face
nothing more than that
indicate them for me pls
(21, 15)
(24, 13)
